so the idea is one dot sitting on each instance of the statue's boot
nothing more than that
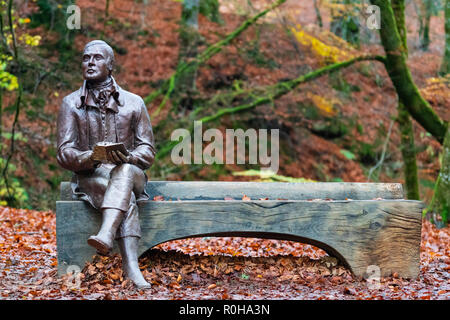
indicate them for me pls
(104, 240)
(130, 266)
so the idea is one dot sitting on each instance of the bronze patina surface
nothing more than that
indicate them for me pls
(101, 112)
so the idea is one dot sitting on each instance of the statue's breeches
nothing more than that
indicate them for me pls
(116, 187)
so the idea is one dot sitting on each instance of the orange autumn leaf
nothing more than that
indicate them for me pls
(158, 198)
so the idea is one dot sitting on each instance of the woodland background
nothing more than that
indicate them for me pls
(346, 110)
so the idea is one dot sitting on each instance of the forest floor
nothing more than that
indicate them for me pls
(206, 268)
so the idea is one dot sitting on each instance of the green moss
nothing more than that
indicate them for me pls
(360, 128)
(330, 128)
(338, 82)
(365, 69)
(366, 153)
(309, 111)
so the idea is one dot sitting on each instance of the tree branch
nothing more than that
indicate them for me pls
(401, 76)
(275, 91)
(168, 85)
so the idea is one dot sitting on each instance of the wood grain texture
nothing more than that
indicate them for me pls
(76, 221)
(385, 233)
(218, 190)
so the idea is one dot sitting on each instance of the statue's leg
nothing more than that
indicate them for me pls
(103, 241)
(124, 179)
(128, 236)
(125, 183)
(128, 249)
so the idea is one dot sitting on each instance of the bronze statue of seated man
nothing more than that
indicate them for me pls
(102, 112)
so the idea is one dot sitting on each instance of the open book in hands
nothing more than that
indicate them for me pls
(101, 150)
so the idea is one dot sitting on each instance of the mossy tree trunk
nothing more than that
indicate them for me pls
(318, 15)
(408, 150)
(407, 146)
(410, 97)
(445, 66)
(344, 23)
(400, 74)
(425, 17)
(189, 38)
(440, 204)
(107, 9)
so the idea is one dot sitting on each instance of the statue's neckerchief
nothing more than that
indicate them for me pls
(101, 92)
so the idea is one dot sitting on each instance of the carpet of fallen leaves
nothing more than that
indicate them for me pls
(205, 268)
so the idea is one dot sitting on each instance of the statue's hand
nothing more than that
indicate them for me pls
(86, 157)
(118, 157)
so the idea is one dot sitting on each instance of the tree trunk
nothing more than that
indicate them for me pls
(398, 7)
(424, 32)
(144, 14)
(189, 38)
(445, 66)
(107, 9)
(1, 123)
(440, 204)
(318, 15)
(401, 77)
(408, 150)
(344, 24)
(407, 146)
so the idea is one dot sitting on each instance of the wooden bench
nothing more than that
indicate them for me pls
(361, 224)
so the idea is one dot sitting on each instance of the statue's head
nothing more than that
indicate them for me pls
(98, 61)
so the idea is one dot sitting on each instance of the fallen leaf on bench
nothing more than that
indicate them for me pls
(245, 198)
(263, 198)
(158, 198)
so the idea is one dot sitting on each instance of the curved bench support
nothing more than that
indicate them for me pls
(361, 233)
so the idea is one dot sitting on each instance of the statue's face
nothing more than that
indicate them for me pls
(95, 63)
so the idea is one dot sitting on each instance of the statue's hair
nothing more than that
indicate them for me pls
(107, 47)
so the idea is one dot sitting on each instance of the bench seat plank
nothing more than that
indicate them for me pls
(218, 190)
